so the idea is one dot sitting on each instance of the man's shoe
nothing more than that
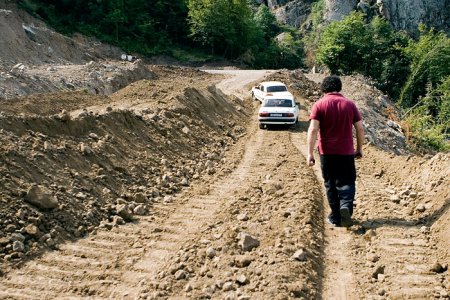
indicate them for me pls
(330, 221)
(346, 219)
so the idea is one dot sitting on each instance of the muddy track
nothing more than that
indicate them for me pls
(337, 281)
(187, 246)
(118, 263)
(121, 262)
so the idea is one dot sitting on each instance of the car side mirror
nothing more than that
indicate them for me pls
(298, 104)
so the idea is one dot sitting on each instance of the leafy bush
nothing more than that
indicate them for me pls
(372, 49)
(428, 122)
(430, 64)
(344, 46)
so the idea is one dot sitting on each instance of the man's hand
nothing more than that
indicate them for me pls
(311, 161)
(358, 154)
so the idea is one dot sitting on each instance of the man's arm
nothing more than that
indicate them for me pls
(359, 138)
(312, 136)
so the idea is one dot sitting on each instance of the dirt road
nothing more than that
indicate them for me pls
(253, 228)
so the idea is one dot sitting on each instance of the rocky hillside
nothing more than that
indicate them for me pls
(402, 14)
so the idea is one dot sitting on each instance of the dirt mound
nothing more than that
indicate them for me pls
(30, 41)
(35, 59)
(103, 77)
(105, 157)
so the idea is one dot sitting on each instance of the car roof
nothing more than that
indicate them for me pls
(272, 83)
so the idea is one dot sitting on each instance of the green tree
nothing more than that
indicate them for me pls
(116, 17)
(225, 26)
(387, 63)
(344, 45)
(266, 21)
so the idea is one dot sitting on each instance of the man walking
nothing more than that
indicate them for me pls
(334, 117)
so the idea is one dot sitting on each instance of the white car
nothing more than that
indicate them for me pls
(278, 110)
(270, 88)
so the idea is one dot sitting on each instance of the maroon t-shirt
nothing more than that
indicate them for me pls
(336, 115)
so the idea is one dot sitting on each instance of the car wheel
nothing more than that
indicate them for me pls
(253, 96)
(262, 126)
(294, 126)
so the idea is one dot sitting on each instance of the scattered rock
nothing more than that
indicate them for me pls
(378, 270)
(420, 208)
(241, 279)
(299, 255)
(210, 252)
(438, 268)
(41, 197)
(228, 286)
(32, 230)
(247, 242)
(372, 257)
(180, 274)
(124, 211)
(242, 261)
(18, 246)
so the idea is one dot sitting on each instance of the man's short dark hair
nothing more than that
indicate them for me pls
(331, 84)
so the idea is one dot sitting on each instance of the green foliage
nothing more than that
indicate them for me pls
(27, 6)
(313, 28)
(387, 63)
(344, 46)
(266, 22)
(148, 27)
(430, 57)
(291, 50)
(190, 55)
(225, 26)
(372, 49)
(429, 120)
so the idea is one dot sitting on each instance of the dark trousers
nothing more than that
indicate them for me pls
(339, 176)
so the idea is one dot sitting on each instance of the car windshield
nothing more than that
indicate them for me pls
(276, 88)
(278, 103)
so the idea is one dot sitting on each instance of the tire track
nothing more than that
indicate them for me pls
(113, 263)
(338, 277)
(403, 249)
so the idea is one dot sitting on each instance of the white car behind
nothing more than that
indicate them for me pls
(276, 110)
(270, 88)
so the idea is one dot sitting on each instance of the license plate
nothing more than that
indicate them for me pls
(276, 115)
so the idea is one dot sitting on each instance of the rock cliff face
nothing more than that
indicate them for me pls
(407, 14)
(293, 13)
(402, 14)
(337, 9)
